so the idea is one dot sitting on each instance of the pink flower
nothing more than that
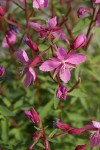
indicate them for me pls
(61, 92)
(40, 4)
(60, 125)
(32, 115)
(62, 63)
(80, 41)
(2, 71)
(95, 136)
(98, 19)
(51, 31)
(31, 44)
(96, 1)
(30, 73)
(81, 11)
(1, 11)
(11, 37)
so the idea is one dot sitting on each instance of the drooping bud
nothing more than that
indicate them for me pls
(80, 41)
(32, 115)
(81, 11)
(61, 92)
(2, 71)
(31, 44)
(81, 147)
(60, 125)
(76, 131)
(1, 11)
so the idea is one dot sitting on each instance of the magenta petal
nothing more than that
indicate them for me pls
(30, 77)
(89, 127)
(35, 25)
(22, 56)
(49, 65)
(52, 23)
(95, 139)
(64, 74)
(61, 53)
(76, 58)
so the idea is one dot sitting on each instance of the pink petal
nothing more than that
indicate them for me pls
(49, 65)
(35, 25)
(96, 124)
(30, 77)
(61, 53)
(76, 58)
(64, 38)
(95, 139)
(22, 1)
(40, 4)
(64, 74)
(52, 23)
(89, 127)
(22, 56)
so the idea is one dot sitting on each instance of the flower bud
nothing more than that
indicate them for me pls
(80, 41)
(32, 115)
(76, 131)
(2, 71)
(81, 147)
(61, 92)
(31, 44)
(35, 135)
(81, 11)
(60, 125)
(1, 11)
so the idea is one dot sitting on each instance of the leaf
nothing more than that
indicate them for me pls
(77, 93)
(81, 24)
(53, 133)
(56, 102)
(45, 110)
(4, 129)
(6, 112)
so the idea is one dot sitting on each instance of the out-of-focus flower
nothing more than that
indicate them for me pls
(22, 1)
(62, 63)
(51, 31)
(98, 19)
(80, 41)
(81, 11)
(31, 44)
(13, 28)
(2, 71)
(9, 38)
(40, 4)
(60, 125)
(32, 115)
(30, 73)
(81, 147)
(61, 92)
(1, 11)
(96, 1)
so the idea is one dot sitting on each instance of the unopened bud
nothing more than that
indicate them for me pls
(80, 41)
(2, 71)
(61, 92)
